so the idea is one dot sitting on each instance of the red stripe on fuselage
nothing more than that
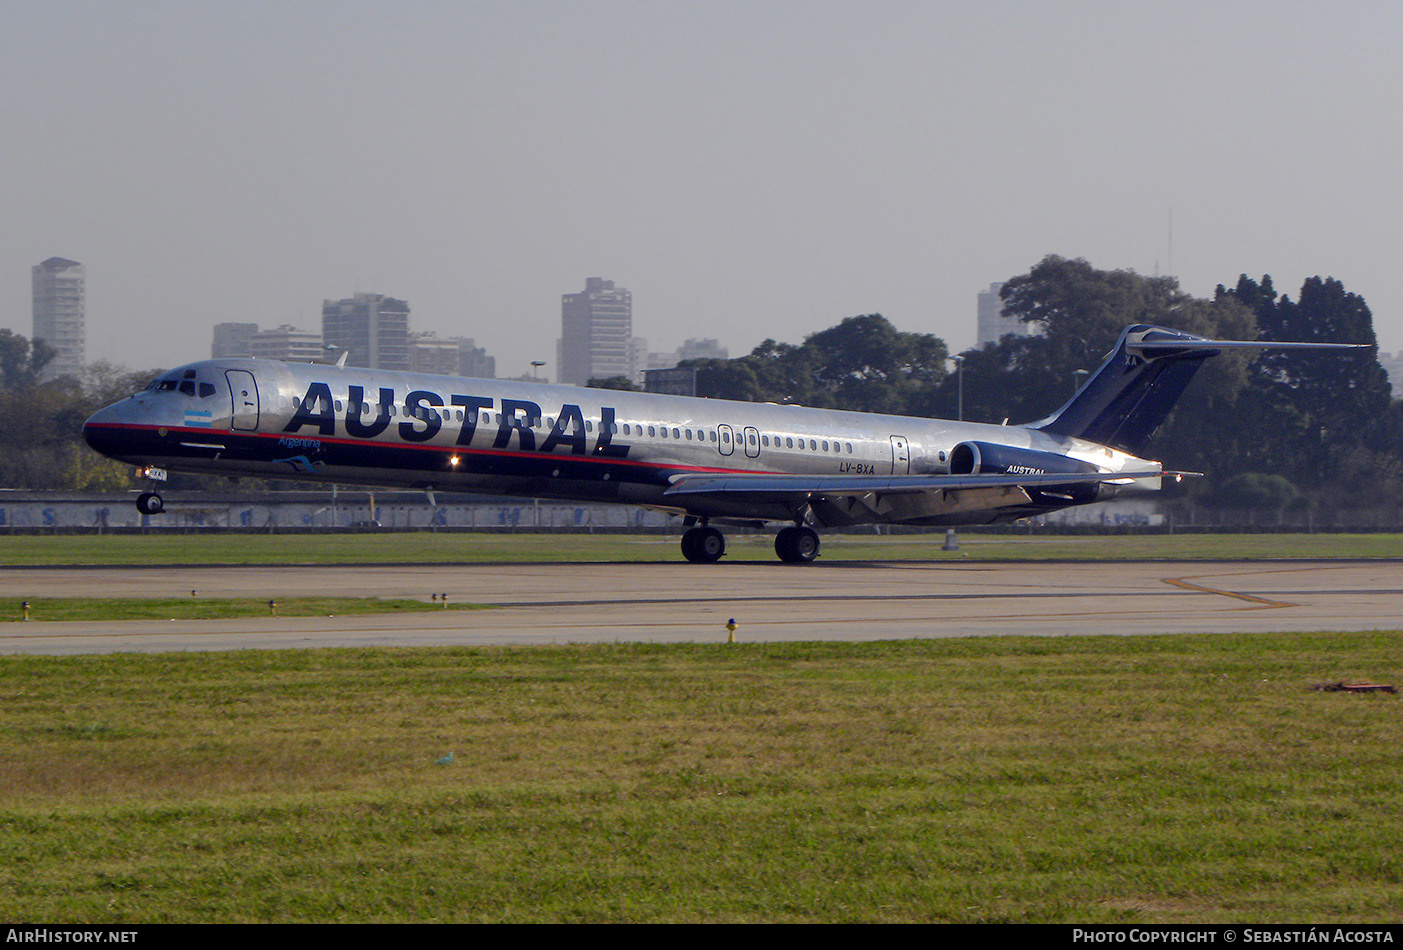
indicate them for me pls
(207, 434)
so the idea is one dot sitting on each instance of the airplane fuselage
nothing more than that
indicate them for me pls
(372, 427)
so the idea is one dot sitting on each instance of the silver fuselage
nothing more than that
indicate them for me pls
(372, 427)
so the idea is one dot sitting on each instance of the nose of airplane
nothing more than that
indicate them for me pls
(99, 431)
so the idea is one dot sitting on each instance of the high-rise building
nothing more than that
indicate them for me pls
(708, 349)
(596, 339)
(473, 360)
(59, 319)
(429, 354)
(287, 343)
(232, 341)
(372, 328)
(992, 325)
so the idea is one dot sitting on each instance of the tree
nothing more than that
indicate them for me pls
(21, 361)
(613, 382)
(1325, 420)
(863, 364)
(1079, 312)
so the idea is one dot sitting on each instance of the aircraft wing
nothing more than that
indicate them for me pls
(779, 486)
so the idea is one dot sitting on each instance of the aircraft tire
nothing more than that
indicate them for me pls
(150, 503)
(703, 545)
(796, 545)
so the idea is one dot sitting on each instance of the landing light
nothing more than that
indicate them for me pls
(453, 461)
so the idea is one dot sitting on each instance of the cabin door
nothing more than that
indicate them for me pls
(900, 456)
(244, 391)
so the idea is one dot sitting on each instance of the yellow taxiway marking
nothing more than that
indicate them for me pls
(1258, 603)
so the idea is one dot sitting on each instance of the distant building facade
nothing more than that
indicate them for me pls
(708, 349)
(596, 334)
(372, 328)
(429, 354)
(992, 325)
(473, 360)
(676, 381)
(60, 320)
(232, 341)
(287, 343)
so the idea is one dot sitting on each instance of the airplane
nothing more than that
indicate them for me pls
(711, 461)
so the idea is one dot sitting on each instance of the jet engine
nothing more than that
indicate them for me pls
(988, 458)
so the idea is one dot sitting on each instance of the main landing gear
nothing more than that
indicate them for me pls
(797, 544)
(703, 544)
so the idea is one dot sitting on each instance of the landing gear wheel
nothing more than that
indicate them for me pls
(150, 503)
(796, 544)
(703, 545)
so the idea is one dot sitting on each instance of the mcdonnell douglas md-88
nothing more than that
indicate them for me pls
(711, 461)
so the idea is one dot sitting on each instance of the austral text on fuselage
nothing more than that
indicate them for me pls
(424, 420)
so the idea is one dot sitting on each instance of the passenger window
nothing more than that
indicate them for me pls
(338, 405)
(652, 432)
(825, 445)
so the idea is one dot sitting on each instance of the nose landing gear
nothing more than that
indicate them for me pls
(150, 503)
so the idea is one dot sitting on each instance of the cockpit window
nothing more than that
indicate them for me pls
(206, 390)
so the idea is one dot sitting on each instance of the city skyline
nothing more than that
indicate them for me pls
(748, 171)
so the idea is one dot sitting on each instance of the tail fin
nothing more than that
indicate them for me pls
(1126, 400)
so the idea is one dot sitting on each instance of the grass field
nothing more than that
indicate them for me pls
(430, 547)
(1154, 779)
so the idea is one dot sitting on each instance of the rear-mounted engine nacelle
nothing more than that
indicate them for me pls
(988, 458)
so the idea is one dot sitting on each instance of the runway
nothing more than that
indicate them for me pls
(559, 603)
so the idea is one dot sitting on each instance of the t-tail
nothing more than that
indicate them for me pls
(1126, 400)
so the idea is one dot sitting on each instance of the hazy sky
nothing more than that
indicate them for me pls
(747, 169)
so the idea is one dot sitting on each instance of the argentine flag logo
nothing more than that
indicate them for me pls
(198, 418)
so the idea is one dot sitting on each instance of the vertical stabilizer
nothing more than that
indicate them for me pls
(1127, 399)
